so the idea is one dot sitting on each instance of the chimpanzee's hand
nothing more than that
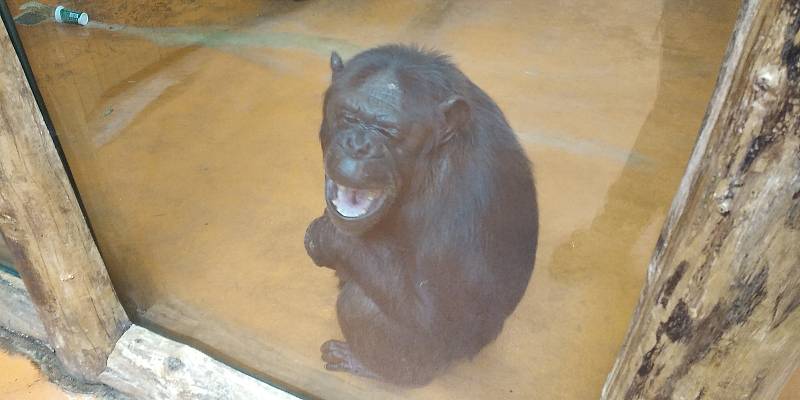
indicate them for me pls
(319, 237)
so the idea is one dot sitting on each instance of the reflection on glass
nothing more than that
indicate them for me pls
(192, 131)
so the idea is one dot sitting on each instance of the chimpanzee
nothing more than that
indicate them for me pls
(431, 221)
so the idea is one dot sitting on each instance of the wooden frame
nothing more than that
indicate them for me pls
(143, 364)
(719, 316)
(45, 229)
(79, 314)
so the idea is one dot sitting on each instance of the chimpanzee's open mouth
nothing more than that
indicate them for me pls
(351, 202)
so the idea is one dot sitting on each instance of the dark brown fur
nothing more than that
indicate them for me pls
(433, 277)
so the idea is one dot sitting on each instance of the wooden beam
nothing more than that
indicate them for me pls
(719, 316)
(47, 234)
(146, 365)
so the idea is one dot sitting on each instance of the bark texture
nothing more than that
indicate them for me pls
(719, 315)
(47, 234)
(148, 366)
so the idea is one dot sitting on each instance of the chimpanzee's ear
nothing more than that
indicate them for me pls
(456, 114)
(336, 63)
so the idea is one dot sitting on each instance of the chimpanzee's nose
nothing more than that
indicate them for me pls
(357, 146)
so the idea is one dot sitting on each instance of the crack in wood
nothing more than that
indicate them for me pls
(701, 394)
(671, 283)
(791, 306)
(793, 216)
(750, 291)
(645, 367)
(757, 146)
(790, 55)
(711, 249)
(679, 324)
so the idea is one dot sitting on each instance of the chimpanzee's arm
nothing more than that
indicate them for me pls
(378, 268)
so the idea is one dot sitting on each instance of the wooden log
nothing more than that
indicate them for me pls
(47, 234)
(146, 365)
(719, 316)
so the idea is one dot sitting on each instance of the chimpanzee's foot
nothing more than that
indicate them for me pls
(338, 357)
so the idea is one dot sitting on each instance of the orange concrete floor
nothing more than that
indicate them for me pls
(191, 129)
(20, 380)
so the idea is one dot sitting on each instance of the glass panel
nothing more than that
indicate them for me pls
(192, 130)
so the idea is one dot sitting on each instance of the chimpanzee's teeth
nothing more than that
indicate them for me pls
(353, 203)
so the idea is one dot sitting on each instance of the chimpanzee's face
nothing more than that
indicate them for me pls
(370, 136)
(378, 132)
